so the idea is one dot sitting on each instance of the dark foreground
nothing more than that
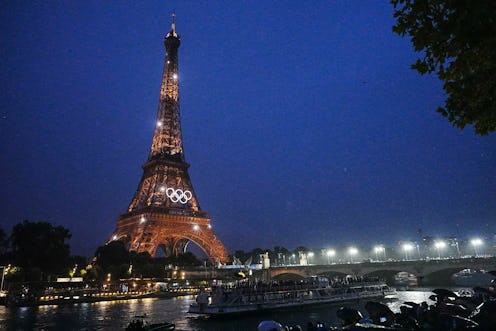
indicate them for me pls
(449, 311)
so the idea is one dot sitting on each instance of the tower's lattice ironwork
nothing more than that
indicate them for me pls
(164, 211)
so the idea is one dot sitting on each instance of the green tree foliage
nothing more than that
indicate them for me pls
(112, 258)
(3, 240)
(187, 259)
(143, 264)
(458, 41)
(80, 261)
(301, 249)
(111, 254)
(5, 255)
(40, 247)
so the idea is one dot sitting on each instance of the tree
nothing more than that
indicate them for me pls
(40, 246)
(112, 258)
(3, 241)
(5, 254)
(458, 40)
(142, 264)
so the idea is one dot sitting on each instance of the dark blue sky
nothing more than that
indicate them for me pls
(302, 122)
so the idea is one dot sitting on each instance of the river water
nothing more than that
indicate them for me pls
(115, 315)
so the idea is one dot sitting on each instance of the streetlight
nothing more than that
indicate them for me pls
(439, 246)
(330, 253)
(309, 255)
(4, 270)
(377, 250)
(407, 247)
(476, 242)
(352, 251)
(294, 258)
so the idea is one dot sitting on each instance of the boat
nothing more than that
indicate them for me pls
(249, 297)
(140, 324)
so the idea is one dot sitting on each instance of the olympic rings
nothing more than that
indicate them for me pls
(178, 195)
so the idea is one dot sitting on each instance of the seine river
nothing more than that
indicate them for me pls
(115, 315)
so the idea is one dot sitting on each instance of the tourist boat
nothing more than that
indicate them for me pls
(255, 297)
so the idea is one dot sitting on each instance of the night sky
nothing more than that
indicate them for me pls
(302, 121)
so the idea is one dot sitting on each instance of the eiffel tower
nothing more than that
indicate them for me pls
(164, 212)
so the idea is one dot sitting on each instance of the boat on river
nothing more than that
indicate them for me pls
(140, 324)
(252, 297)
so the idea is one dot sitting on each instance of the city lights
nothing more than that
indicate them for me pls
(330, 254)
(379, 249)
(476, 242)
(309, 255)
(407, 248)
(440, 245)
(352, 251)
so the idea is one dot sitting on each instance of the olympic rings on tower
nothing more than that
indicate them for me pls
(178, 195)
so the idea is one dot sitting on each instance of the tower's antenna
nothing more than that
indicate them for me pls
(173, 26)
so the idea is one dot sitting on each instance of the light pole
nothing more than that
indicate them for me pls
(476, 243)
(293, 256)
(4, 270)
(352, 251)
(407, 247)
(439, 246)
(377, 250)
(457, 249)
(330, 254)
(309, 255)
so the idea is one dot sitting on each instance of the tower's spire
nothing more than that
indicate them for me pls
(167, 140)
(172, 32)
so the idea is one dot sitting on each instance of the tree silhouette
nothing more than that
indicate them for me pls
(112, 258)
(458, 41)
(40, 246)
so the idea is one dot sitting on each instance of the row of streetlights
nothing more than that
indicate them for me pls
(439, 245)
(380, 250)
(330, 254)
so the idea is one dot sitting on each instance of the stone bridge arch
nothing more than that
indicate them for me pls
(424, 270)
(388, 275)
(279, 273)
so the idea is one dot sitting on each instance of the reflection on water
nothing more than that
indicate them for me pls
(114, 315)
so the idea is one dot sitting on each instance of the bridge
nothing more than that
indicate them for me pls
(426, 271)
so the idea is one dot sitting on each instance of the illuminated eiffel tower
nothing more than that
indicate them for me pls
(164, 212)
